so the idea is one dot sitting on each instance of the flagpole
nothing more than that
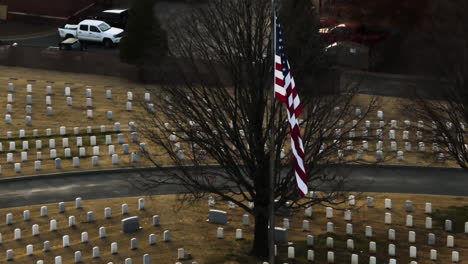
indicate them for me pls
(271, 240)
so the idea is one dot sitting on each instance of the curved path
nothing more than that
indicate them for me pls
(117, 183)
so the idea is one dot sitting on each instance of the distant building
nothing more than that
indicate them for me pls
(59, 10)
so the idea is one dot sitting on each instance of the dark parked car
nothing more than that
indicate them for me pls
(114, 17)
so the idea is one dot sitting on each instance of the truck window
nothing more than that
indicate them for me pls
(84, 27)
(94, 29)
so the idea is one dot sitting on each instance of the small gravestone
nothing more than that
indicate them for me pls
(102, 232)
(155, 220)
(53, 225)
(349, 229)
(245, 220)
(84, 237)
(107, 213)
(90, 217)
(124, 209)
(408, 206)
(96, 253)
(71, 221)
(66, 241)
(152, 239)
(46, 246)
(9, 254)
(78, 257)
(310, 240)
(131, 224)
(217, 217)
(167, 236)
(114, 248)
(448, 225)
(431, 239)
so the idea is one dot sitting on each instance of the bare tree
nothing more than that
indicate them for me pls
(213, 122)
(444, 107)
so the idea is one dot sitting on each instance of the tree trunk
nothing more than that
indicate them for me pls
(260, 244)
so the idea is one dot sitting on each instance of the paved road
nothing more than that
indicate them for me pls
(394, 179)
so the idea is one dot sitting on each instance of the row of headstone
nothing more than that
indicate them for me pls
(76, 130)
(78, 256)
(67, 153)
(12, 146)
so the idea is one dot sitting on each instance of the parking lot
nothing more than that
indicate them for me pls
(166, 11)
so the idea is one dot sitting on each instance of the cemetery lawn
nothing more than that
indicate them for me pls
(189, 230)
(75, 116)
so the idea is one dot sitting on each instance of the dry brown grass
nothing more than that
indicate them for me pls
(76, 117)
(190, 231)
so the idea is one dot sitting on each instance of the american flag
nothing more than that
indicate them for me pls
(285, 91)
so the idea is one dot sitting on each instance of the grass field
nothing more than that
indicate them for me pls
(75, 116)
(190, 231)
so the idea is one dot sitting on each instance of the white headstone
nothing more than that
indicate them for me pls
(29, 88)
(448, 225)
(152, 239)
(114, 248)
(388, 218)
(8, 119)
(141, 204)
(330, 228)
(17, 234)
(450, 241)
(53, 225)
(455, 256)
(26, 216)
(167, 236)
(84, 237)
(18, 167)
(331, 257)
(428, 223)
(76, 161)
(329, 242)
(433, 254)
(124, 209)
(350, 244)
(129, 106)
(29, 250)
(413, 252)
(78, 203)
(95, 161)
(43, 211)
(71, 221)
(349, 229)
(35, 230)
(9, 254)
(96, 253)
(409, 221)
(391, 250)
(78, 257)
(66, 241)
(411, 236)
(133, 243)
(388, 203)
(9, 219)
(329, 212)
(428, 208)
(102, 232)
(305, 226)
(89, 114)
(368, 231)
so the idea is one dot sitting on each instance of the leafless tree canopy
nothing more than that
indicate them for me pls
(446, 115)
(221, 110)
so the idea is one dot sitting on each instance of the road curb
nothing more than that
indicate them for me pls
(135, 169)
(28, 36)
(73, 173)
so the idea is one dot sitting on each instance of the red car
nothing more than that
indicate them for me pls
(354, 32)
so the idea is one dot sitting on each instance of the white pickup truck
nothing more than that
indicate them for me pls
(92, 30)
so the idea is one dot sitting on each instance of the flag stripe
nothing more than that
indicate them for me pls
(285, 91)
